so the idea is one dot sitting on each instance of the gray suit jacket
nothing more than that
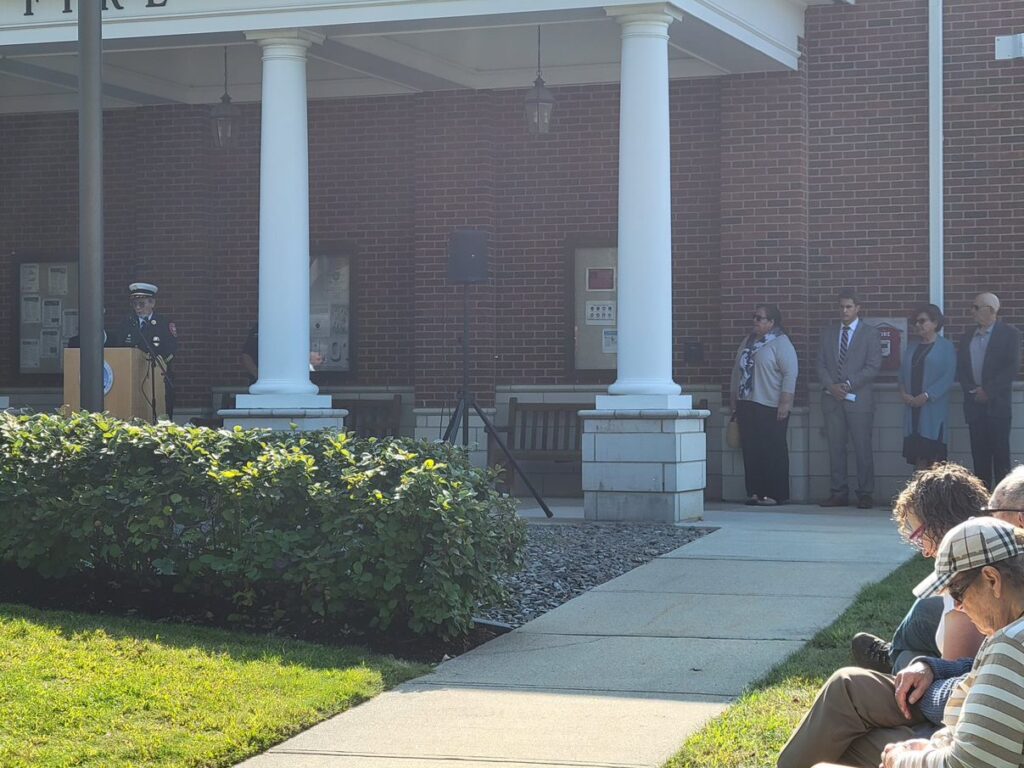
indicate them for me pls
(863, 360)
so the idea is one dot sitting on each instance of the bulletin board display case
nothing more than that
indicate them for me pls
(47, 311)
(329, 310)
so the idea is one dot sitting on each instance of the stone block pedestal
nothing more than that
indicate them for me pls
(306, 412)
(304, 419)
(643, 464)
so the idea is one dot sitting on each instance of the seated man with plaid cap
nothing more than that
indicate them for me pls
(980, 564)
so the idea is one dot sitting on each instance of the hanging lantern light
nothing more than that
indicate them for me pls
(540, 103)
(225, 117)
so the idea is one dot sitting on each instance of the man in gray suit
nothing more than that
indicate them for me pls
(849, 357)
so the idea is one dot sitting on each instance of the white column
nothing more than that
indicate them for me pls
(645, 208)
(284, 227)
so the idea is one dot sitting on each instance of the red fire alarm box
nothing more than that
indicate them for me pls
(892, 343)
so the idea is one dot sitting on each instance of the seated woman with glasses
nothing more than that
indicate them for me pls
(761, 394)
(861, 709)
(980, 566)
(926, 377)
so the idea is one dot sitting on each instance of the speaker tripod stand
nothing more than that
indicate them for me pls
(460, 416)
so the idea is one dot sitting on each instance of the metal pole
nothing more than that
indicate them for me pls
(465, 365)
(936, 160)
(90, 201)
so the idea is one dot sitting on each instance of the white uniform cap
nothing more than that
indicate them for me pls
(142, 289)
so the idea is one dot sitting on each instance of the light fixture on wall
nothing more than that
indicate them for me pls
(539, 101)
(225, 117)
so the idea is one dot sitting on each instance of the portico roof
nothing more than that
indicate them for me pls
(170, 51)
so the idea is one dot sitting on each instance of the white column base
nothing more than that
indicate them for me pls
(431, 424)
(644, 464)
(643, 402)
(302, 419)
(280, 400)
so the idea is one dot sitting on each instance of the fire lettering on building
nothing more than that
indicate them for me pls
(107, 4)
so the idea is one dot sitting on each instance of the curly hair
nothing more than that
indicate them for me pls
(940, 498)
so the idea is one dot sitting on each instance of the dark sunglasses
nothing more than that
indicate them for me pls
(978, 308)
(959, 589)
(759, 318)
(921, 320)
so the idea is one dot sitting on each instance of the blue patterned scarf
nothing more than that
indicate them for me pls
(747, 361)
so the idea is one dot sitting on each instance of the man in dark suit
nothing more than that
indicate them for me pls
(849, 358)
(149, 331)
(987, 363)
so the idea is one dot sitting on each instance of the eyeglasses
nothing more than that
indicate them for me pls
(979, 307)
(916, 537)
(759, 318)
(921, 320)
(993, 510)
(958, 590)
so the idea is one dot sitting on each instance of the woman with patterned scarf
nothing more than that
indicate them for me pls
(761, 394)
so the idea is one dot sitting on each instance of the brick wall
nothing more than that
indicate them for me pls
(764, 225)
(170, 217)
(697, 268)
(361, 169)
(787, 186)
(234, 203)
(37, 211)
(455, 181)
(985, 160)
(553, 189)
(868, 153)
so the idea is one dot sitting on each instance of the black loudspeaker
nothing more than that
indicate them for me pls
(467, 256)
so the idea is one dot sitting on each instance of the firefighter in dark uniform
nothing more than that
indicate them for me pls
(151, 332)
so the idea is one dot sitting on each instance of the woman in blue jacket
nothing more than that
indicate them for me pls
(926, 377)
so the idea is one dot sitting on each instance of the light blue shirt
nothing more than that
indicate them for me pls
(849, 340)
(979, 345)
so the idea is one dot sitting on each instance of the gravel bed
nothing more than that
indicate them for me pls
(564, 560)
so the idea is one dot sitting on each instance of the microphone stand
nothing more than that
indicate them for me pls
(154, 361)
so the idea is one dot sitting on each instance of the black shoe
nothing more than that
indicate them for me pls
(865, 502)
(871, 652)
(753, 501)
(835, 500)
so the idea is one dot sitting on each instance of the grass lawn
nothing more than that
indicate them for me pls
(80, 690)
(751, 733)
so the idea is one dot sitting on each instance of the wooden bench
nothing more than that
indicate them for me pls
(372, 417)
(546, 439)
(545, 430)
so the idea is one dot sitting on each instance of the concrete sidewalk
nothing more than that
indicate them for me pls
(621, 675)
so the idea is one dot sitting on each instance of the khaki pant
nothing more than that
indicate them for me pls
(852, 719)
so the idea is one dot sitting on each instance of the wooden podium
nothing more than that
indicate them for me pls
(130, 390)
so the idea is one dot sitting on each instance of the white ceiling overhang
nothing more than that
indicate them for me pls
(171, 51)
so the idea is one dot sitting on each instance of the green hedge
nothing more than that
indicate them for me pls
(386, 534)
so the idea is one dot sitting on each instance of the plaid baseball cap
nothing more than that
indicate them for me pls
(971, 544)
